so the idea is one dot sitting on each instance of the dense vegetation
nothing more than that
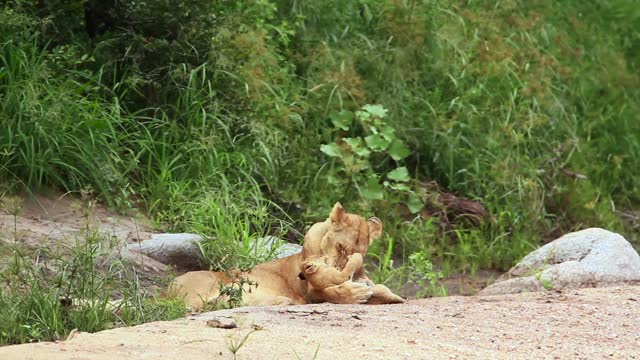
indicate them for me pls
(241, 118)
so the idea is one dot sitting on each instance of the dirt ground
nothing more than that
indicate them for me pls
(579, 324)
(58, 219)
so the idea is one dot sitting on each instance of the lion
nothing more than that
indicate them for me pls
(339, 236)
(320, 273)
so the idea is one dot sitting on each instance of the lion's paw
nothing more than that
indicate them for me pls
(356, 293)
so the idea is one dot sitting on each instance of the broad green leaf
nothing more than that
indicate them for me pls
(354, 143)
(400, 174)
(342, 119)
(415, 203)
(389, 133)
(363, 116)
(375, 110)
(331, 149)
(357, 146)
(363, 152)
(398, 150)
(356, 165)
(376, 142)
(373, 190)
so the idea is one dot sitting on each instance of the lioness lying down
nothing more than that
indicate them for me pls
(320, 274)
(341, 235)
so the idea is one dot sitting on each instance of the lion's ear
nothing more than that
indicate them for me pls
(310, 269)
(337, 213)
(375, 228)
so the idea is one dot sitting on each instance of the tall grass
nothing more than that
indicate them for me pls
(46, 294)
(515, 104)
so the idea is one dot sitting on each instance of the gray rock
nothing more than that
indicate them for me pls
(179, 250)
(589, 258)
(142, 261)
(265, 246)
(566, 275)
(513, 286)
(182, 250)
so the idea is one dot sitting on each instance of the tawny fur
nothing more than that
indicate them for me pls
(319, 273)
(338, 237)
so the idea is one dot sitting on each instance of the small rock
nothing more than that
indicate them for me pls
(222, 323)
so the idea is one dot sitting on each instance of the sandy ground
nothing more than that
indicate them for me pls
(577, 324)
(60, 219)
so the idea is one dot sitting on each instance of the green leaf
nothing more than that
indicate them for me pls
(376, 142)
(373, 190)
(342, 120)
(354, 143)
(399, 174)
(375, 110)
(363, 116)
(331, 149)
(355, 164)
(415, 203)
(389, 133)
(357, 146)
(398, 150)
(363, 152)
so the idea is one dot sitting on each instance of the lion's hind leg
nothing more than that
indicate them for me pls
(199, 289)
(382, 295)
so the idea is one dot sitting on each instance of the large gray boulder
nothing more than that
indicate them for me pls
(182, 250)
(589, 258)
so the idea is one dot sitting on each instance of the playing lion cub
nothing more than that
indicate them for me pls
(320, 274)
(277, 281)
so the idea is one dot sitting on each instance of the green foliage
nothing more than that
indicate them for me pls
(211, 113)
(47, 299)
(237, 339)
(372, 141)
(417, 271)
(232, 293)
(239, 229)
(421, 273)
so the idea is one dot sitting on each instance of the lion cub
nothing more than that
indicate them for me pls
(321, 274)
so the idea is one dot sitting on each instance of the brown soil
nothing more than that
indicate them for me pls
(578, 324)
(47, 220)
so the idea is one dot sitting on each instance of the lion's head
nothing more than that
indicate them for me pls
(341, 235)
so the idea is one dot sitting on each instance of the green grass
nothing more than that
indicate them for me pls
(210, 117)
(46, 295)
